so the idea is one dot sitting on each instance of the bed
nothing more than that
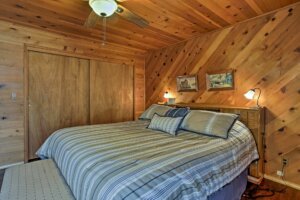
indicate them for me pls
(129, 161)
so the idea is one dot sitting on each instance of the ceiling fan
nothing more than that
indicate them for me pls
(106, 8)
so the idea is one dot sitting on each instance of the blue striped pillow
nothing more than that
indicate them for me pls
(177, 112)
(165, 124)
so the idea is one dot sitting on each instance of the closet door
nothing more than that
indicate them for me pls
(111, 92)
(58, 95)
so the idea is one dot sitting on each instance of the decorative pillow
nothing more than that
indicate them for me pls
(209, 123)
(165, 124)
(155, 108)
(177, 112)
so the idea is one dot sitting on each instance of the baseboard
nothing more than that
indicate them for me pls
(11, 165)
(278, 180)
(254, 180)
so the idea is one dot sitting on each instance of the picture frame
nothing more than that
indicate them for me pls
(220, 80)
(187, 83)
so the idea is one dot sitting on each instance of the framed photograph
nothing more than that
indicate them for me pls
(187, 83)
(220, 80)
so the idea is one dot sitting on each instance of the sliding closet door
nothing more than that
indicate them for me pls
(58, 95)
(111, 90)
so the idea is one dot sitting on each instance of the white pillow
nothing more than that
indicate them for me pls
(155, 108)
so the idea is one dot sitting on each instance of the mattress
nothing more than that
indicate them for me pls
(128, 161)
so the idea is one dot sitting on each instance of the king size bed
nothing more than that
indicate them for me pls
(129, 160)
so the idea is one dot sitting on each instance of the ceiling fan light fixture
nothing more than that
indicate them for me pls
(103, 8)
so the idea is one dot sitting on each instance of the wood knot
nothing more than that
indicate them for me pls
(297, 50)
(245, 32)
(281, 129)
(266, 34)
(280, 153)
(283, 89)
(19, 6)
(3, 118)
(228, 6)
(292, 108)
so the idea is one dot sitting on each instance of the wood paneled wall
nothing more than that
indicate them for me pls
(263, 52)
(14, 40)
(11, 111)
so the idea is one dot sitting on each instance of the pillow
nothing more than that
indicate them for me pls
(209, 123)
(165, 124)
(177, 112)
(155, 108)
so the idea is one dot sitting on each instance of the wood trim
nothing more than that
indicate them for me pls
(76, 55)
(195, 106)
(26, 109)
(277, 180)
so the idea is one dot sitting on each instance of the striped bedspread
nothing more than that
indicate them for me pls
(128, 161)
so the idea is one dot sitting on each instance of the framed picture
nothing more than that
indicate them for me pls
(187, 83)
(220, 80)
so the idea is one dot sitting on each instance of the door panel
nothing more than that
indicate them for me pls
(58, 95)
(111, 92)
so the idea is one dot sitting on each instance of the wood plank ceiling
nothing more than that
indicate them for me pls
(171, 21)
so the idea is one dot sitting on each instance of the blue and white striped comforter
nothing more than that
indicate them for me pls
(127, 161)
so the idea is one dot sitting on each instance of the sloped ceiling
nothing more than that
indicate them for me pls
(171, 21)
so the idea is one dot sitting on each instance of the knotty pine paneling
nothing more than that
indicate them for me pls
(169, 21)
(11, 111)
(13, 40)
(263, 52)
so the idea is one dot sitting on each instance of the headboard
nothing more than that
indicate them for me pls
(253, 118)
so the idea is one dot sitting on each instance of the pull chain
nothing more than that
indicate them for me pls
(104, 31)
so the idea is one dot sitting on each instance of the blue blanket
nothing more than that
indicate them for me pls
(128, 161)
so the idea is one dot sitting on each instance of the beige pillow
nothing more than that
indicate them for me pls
(155, 108)
(209, 123)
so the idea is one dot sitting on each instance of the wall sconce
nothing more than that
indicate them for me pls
(251, 93)
(170, 100)
(166, 95)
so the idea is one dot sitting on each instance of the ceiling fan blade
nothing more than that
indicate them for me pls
(128, 15)
(92, 20)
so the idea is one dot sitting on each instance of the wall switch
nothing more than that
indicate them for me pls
(279, 173)
(13, 96)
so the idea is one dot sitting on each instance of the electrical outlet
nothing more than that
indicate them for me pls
(284, 161)
(280, 173)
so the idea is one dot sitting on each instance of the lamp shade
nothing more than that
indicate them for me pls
(103, 8)
(250, 94)
(166, 95)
